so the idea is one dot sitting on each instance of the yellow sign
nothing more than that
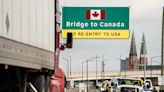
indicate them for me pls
(98, 34)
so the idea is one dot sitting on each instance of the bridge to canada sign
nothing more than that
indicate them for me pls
(96, 22)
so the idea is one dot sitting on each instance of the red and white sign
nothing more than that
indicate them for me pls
(95, 14)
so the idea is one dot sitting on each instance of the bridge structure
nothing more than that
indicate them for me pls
(153, 75)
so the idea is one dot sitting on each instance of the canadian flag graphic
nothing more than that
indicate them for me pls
(95, 14)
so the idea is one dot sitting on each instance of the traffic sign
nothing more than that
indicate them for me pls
(95, 22)
(160, 80)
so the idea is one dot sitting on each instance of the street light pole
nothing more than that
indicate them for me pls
(103, 69)
(67, 68)
(67, 65)
(144, 70)
(70, 66)
(87, 75)
(162, 44)
(96, 72)
(151, 66)
(120, 69)
(87, 69)
(125, 67)
(82, 71)
(70, 62)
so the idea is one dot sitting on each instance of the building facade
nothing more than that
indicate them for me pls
(124, 64)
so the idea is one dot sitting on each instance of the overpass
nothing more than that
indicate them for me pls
(108, 75)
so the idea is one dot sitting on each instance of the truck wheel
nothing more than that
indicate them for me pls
(39, 83)
(47, 84)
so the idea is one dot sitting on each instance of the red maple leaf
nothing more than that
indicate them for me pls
(95, 14)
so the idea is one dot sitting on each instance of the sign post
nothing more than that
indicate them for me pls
(96, 22)
(160, 80)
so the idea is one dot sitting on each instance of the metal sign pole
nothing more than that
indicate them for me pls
(162, 49)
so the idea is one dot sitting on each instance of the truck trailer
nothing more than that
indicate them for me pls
(29, 45)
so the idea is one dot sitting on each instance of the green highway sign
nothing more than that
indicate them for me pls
(104, 21)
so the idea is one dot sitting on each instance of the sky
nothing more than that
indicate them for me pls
(145, 17)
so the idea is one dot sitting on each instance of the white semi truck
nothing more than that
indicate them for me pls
(28, 54)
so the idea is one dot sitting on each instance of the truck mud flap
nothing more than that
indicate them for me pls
(31, 88)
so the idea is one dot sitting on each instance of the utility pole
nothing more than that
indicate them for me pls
(162, 67)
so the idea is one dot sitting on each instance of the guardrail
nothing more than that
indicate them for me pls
(92, 75)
